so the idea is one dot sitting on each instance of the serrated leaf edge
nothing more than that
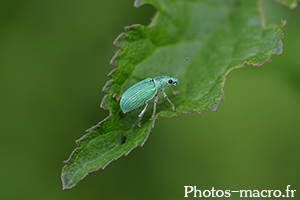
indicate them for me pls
(136, 4)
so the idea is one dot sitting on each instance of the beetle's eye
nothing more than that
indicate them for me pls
(170, 81)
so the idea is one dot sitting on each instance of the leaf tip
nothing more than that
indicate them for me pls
(65, 181)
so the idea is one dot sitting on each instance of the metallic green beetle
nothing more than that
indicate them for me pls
(142, 92)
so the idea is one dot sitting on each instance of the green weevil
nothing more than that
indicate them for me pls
(143, 91)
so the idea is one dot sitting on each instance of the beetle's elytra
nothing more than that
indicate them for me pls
(143, 91)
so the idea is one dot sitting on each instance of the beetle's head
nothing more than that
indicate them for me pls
(172, 81)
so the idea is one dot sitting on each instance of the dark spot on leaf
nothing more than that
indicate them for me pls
(123, 139)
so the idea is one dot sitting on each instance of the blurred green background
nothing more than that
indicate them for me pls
(54, 58)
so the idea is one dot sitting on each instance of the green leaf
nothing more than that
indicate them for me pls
(290, 3)
(218, 36)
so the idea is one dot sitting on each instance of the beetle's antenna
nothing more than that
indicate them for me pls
(181, 66)
(185, 84)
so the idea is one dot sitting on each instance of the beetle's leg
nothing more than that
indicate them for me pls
(116, 97)
(141, 114)
(154, 109)
(174, 92)
(164, 94)
(140, 123)
(143, 111)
